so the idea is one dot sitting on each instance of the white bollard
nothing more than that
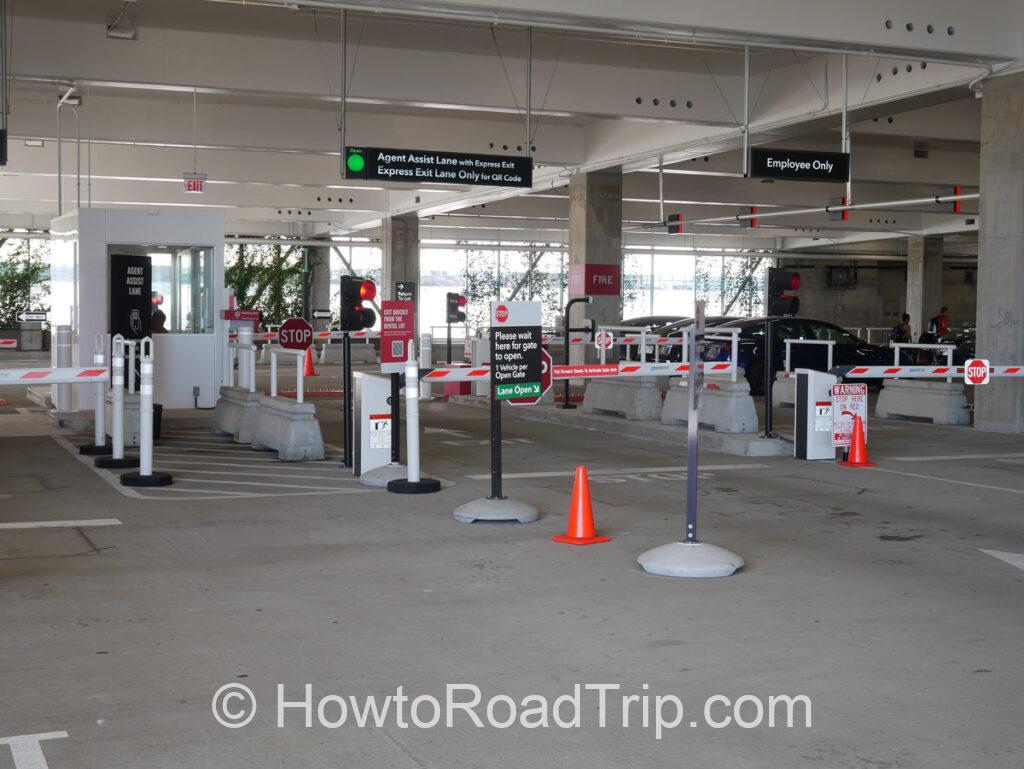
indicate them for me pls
(246, 360)
(60, 394)
(117, 458)
(146, 476)
(300, 363)
(273, 373)
(413, 483)
(99, 444)
(426, 361)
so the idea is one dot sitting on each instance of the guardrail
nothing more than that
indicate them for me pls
(300, 358)
(819, 342)
(897, 346)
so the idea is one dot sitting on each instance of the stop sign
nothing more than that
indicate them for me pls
(976, 371)
(295, 334)
(604, 340)
(545, 381)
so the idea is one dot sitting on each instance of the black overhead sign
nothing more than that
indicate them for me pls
(418, 166)
(131, 304)
(799, 165)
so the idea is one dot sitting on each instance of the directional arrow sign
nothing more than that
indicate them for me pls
(30, 315)
(321, 314)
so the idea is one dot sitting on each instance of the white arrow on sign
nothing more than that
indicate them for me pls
(30, 315)
(1014, 559)
(320, 314)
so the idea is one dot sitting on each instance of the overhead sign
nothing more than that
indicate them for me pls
(977, 371)
(419, 166)
(604, 340)
(397, 330)
(545, 382)
(405, 290)
(848, 401)
(295, 334)
(194, 182)
(26, 316)
(595, 280)
(131, 305)
(799, 165)
(516, 366)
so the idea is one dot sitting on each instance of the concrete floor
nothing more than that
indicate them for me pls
(866, 590)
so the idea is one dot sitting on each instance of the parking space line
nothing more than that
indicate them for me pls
(293, 474)
(618, 471)
(1014, 559)
(946, 480)
(948, 457)
(179, 479)
(61, 524)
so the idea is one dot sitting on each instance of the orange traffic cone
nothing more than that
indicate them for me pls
(858, 456)
(309, 370)
(581, 517)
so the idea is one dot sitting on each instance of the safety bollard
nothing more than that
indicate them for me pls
(117, 459)
(61, 394)
(246, 360)
(426, 362)
(99, 444)
(300, 383)
(413, 483)
(146, 476)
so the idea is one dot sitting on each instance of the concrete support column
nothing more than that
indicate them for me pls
(400, 244)
(924, 280)
(999, 405)
(320, 288)
(595, 237)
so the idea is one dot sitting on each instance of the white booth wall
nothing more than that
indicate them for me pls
(80, 286)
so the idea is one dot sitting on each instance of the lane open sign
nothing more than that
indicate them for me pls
(848, 401)
(295, 334)
(516, 366)
(977, 371)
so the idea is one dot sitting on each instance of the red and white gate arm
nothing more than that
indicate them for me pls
(669, 341)
(895, 372)
(8, 344)
(585, 371)
(29, 376)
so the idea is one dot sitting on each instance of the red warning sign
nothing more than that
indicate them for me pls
(848, 401)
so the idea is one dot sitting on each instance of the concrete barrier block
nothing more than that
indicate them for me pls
(636, 399)
(944, 403)
(289, 428)
(725, 406)
(784, 390)
(361, 353)
(235, 413)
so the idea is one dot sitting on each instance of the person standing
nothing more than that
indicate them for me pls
(901, 332)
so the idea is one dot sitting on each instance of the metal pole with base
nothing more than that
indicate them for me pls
(117, 459)
(690, 557)
(346, 399)
(568, 330)
(146, 475)
(413, 483)
(99, 444)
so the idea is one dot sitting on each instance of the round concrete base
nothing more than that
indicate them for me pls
(422, 486)
(503, 509)
(156, 478)
(679, 559)
(380, 476)
(92, 450)
(109, 463)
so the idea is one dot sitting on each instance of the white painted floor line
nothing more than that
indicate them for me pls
(61, 524)
(1014, 559)
(179, 479)
(106, 475)
(946, 457)
(947, 480)
(227, 448)
(261, 475)
(310, 466)
(619, 471)
(250, 494)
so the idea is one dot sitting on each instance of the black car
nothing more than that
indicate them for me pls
(650, 322)
(849, 350)
(674, 352)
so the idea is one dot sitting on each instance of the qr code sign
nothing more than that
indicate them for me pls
(397, 348)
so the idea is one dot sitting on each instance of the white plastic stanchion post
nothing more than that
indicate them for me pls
(99, 443)
(273, 373)
(300, 361)
(61, 394)
(131, 365)
(413, 483)
(117, 458)
(426, 362)
(146, 476)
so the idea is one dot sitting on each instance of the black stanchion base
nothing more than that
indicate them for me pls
(422, 486)
(93, 450)
(109, 463)
(156, 478)
(568, 406)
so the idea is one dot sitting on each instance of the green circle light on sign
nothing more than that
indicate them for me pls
(356, 163)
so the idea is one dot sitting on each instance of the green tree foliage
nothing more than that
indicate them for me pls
(267, 277)
(24, 279)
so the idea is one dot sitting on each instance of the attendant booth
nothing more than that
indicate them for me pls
(151, 272)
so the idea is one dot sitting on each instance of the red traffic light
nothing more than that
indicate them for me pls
(794, 281)
(463, 301)
(367, 290)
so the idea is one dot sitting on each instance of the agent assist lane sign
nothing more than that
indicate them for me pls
(418, 166)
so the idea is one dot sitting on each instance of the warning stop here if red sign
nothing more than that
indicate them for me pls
(848, 401)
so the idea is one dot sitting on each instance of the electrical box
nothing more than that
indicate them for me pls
(371, 438)
(812, 431)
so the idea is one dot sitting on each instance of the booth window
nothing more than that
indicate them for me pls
(182, 286)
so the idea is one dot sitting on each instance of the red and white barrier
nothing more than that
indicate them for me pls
(944, 372)
(8, 344)
(585, 371)
(30, 376)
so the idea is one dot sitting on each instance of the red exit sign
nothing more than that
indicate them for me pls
(194, 182)
(595, 280)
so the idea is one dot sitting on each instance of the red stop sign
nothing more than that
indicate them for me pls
(545, 381)
(295, 334)
(501, 313)
(976, 371)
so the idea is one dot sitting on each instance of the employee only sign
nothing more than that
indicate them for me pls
(516, 366)
(397, 327)
(848, 401)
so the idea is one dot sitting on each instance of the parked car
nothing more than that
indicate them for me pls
(964, 341)
(650, 322)
(675, 352)
(849, 350)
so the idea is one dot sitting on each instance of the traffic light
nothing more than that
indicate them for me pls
(455, 304)
(779, 282)
(675, 224)
(355, 291)
(750, 220)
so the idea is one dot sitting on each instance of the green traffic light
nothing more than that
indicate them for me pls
(356, 162)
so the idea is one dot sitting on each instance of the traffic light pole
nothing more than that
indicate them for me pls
(396, 419)
(346, 399)
(448, 344)
(769, 379)
(565, 390)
